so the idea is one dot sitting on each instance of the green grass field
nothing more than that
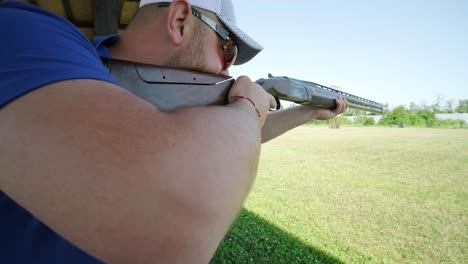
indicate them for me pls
(356, 195)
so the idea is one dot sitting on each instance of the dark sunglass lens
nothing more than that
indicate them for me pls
(230, 52)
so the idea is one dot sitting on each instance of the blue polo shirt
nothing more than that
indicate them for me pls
(39, 48)
(102, 43)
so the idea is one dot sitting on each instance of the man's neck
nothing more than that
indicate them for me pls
(138, 51)
(118, 51)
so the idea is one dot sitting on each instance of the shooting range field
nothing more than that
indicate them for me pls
(356, 195)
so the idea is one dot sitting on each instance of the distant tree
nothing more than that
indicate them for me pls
(397, 116)
(413, 107)
(449, 106)
(437, 105)
(341, 120)
(354, 112)
(462, 106)
(428, 116)
(369, 121)
(415, 119)
(386, 108)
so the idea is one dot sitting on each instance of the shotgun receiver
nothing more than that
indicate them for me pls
(169, 89)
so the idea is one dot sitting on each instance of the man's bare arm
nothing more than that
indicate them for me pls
(282, 121)
(123, 181)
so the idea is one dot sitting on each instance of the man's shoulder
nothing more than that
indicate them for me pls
(42, 48)
(26, 12)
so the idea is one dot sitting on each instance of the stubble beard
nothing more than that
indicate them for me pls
(194, 57)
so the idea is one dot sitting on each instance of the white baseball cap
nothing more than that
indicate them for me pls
(224, 11)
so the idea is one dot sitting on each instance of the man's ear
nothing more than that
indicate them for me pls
(179, 16)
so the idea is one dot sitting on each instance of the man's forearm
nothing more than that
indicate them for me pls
(280, 122)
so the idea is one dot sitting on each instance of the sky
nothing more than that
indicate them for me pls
(391, 51)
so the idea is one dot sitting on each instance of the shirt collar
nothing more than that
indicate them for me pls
(102, 44)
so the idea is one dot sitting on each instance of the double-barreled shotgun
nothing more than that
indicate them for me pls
(169, 89)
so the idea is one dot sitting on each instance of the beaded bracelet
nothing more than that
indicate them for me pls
(235, 98)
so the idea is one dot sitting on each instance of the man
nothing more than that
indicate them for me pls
(92, 173)
(145, 32)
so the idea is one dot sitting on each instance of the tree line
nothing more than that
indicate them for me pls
(413, 115)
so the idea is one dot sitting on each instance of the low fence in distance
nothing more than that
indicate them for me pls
(462, 116)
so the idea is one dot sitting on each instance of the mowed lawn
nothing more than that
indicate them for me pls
(356, 195)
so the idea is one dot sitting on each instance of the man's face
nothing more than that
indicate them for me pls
(204, 52)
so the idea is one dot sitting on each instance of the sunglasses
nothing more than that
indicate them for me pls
(229, 48)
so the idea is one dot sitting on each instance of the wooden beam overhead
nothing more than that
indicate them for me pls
(106, 16)
(92, 17)
(68, 11)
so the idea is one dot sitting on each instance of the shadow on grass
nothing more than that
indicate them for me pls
(252, 239)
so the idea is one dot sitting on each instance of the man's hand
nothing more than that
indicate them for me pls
(325, 114)
(259, 99)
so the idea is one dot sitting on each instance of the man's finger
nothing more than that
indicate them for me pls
(339, 105)
(346, 104)
(272, 102)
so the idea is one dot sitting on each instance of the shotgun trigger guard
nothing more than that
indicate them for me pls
(278, 104)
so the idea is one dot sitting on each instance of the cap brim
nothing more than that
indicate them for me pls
(247, 47)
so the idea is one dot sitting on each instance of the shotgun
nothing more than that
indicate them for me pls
(169, 89)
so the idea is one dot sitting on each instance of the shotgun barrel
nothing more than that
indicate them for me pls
(310, 93)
